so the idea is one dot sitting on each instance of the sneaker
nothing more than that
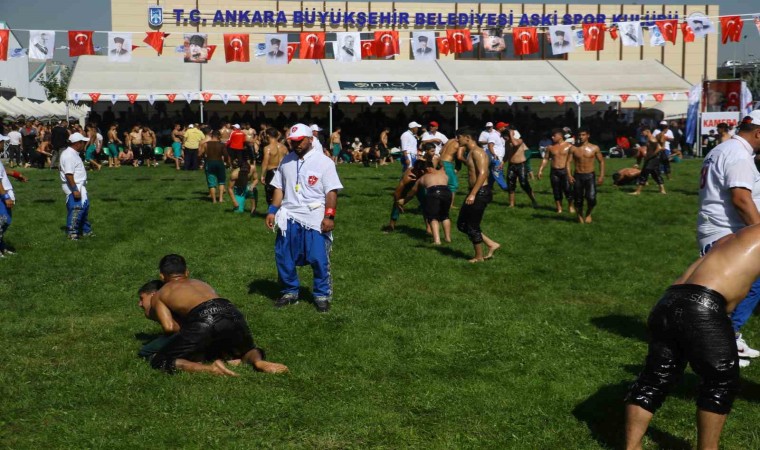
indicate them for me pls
(743, 363)
(8, 252)
(88, 235)
(745, 351)
(73, 237)
(322, 304)
(285, 300)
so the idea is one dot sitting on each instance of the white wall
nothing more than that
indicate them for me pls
(14, 73)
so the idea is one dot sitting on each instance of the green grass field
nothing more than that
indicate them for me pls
(533, 350)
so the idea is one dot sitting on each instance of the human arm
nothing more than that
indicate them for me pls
(481, 162)
(600, 158)
(544, 162)
(18, 176)
(741, 198)
(410, 195)
(6, 198)
(331, 202)
(73, 186)
(276, 203)
(264, 164)
(570, 159)
(163, 315)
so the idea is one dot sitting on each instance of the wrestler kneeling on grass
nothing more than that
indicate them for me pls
(199, 326)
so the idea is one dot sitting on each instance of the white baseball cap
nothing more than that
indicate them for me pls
(191, 126)
(299, 131)
(753, 117)
(77, 137)
(414, 125)
(664, 122)
(236, 126)
(315, 127)
(489, 124)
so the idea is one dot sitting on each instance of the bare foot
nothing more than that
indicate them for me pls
(437, 243)
(270, 367)
(218, 368)
(475, 260)
(663, 193)
(448, 241)
(491, 250)
(588, 219)
(572, 210)
(559, 211)
(580, 219)
(633, 193)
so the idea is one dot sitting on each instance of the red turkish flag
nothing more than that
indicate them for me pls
(614, 33)
(527, 97)
(352, 98)
(292, 50)
(316, 99)
(459, 98)
(312, 45)
(525, 40)
(593, 36)
(156, 40)
(731, 28)
(135, 47)
(171, 97)
(80, 43)
(279, 99)
(388, 98)
(658, 97)
(386, 43)
(688, 33)
(560, 99)
(237, 48)
(668, 28)
(211, 50)
(206, 96)
(368, 49)
(243, 98)
(443, 45)
(424, 99)
(132, 98)
(459, 41)
(593, 98)
(4, 38)
(624, 97)
(94, 96)
(493, 98)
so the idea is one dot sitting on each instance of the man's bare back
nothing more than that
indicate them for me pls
(435, 177)
(182, 295)
(273, 154)
(450, 151)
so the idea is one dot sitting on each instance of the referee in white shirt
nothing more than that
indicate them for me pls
(74, 185)
(409, 146)
(729, 199)
(303, 209)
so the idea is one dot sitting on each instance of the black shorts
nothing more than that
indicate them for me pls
(560, 184)
(652, 169)
(518, 172)
(584, 189)
(383, 150)
(215, 329)
(689, 325)
(147, 152)
(437, 203)
(268, 188)
(470, 216)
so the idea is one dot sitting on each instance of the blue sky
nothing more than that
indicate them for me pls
(96, 15)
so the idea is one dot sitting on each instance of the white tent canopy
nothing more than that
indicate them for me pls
(16, 108)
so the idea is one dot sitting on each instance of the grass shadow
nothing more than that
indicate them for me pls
(447, 251)
(266, 288)
(44, 200)
(564, 217)
(415, 233)
(624, 326)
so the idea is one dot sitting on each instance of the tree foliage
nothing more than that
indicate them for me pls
(56, 87)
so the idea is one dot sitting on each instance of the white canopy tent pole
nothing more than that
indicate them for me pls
(456, 116)
(579, 115)
(331, 118)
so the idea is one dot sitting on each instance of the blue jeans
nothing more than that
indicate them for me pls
(498, 175)
(5, 222)
(300, 247)
(76, 220)
(405, 163)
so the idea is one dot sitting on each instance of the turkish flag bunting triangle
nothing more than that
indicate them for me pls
(237, 48)
(527, 97)
(593, 36)
(459, 98)
(352, 99)
(279, 99)
(424, 99)
(443, 45)
(669, 29)
(206, 96)
(388, 99)
(493, 98)
(243, 98)
(368, 49)
(560, 99)
(211, 50)
(614, 33)
(94, 96)
(4, 39)
(156, 40)
(593, 98)
(80, 43)
(316, 99)
(658, 97)
(132, 98)
(386, 43)
(459, 41)
(292, 50)
(312, 45)
(624, 97)
(688, 33)
(525, 40)
(171, 97)
(731, 28)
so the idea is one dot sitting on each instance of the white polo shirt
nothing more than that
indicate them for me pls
(315, 176)
(499, 144)
(15, 138)
(6, 182)
(426, 136)
(71, 163)
(316, 145)
(668, 134)
(729, 165)
(408, 143)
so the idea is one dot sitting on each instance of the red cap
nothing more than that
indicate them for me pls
(434, 124)
(501, 125)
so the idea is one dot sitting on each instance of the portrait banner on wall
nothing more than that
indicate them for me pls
(119, 47)
(276, 48)
(196, 48)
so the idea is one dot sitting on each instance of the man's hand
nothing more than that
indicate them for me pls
(571, 179)
(600, 180)
(327, 225)
(263, 180)
(77, 195)
(540, 174)
(470, 199)
(9, 203)
(270, 221)
(235, 204)
(218, 368)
